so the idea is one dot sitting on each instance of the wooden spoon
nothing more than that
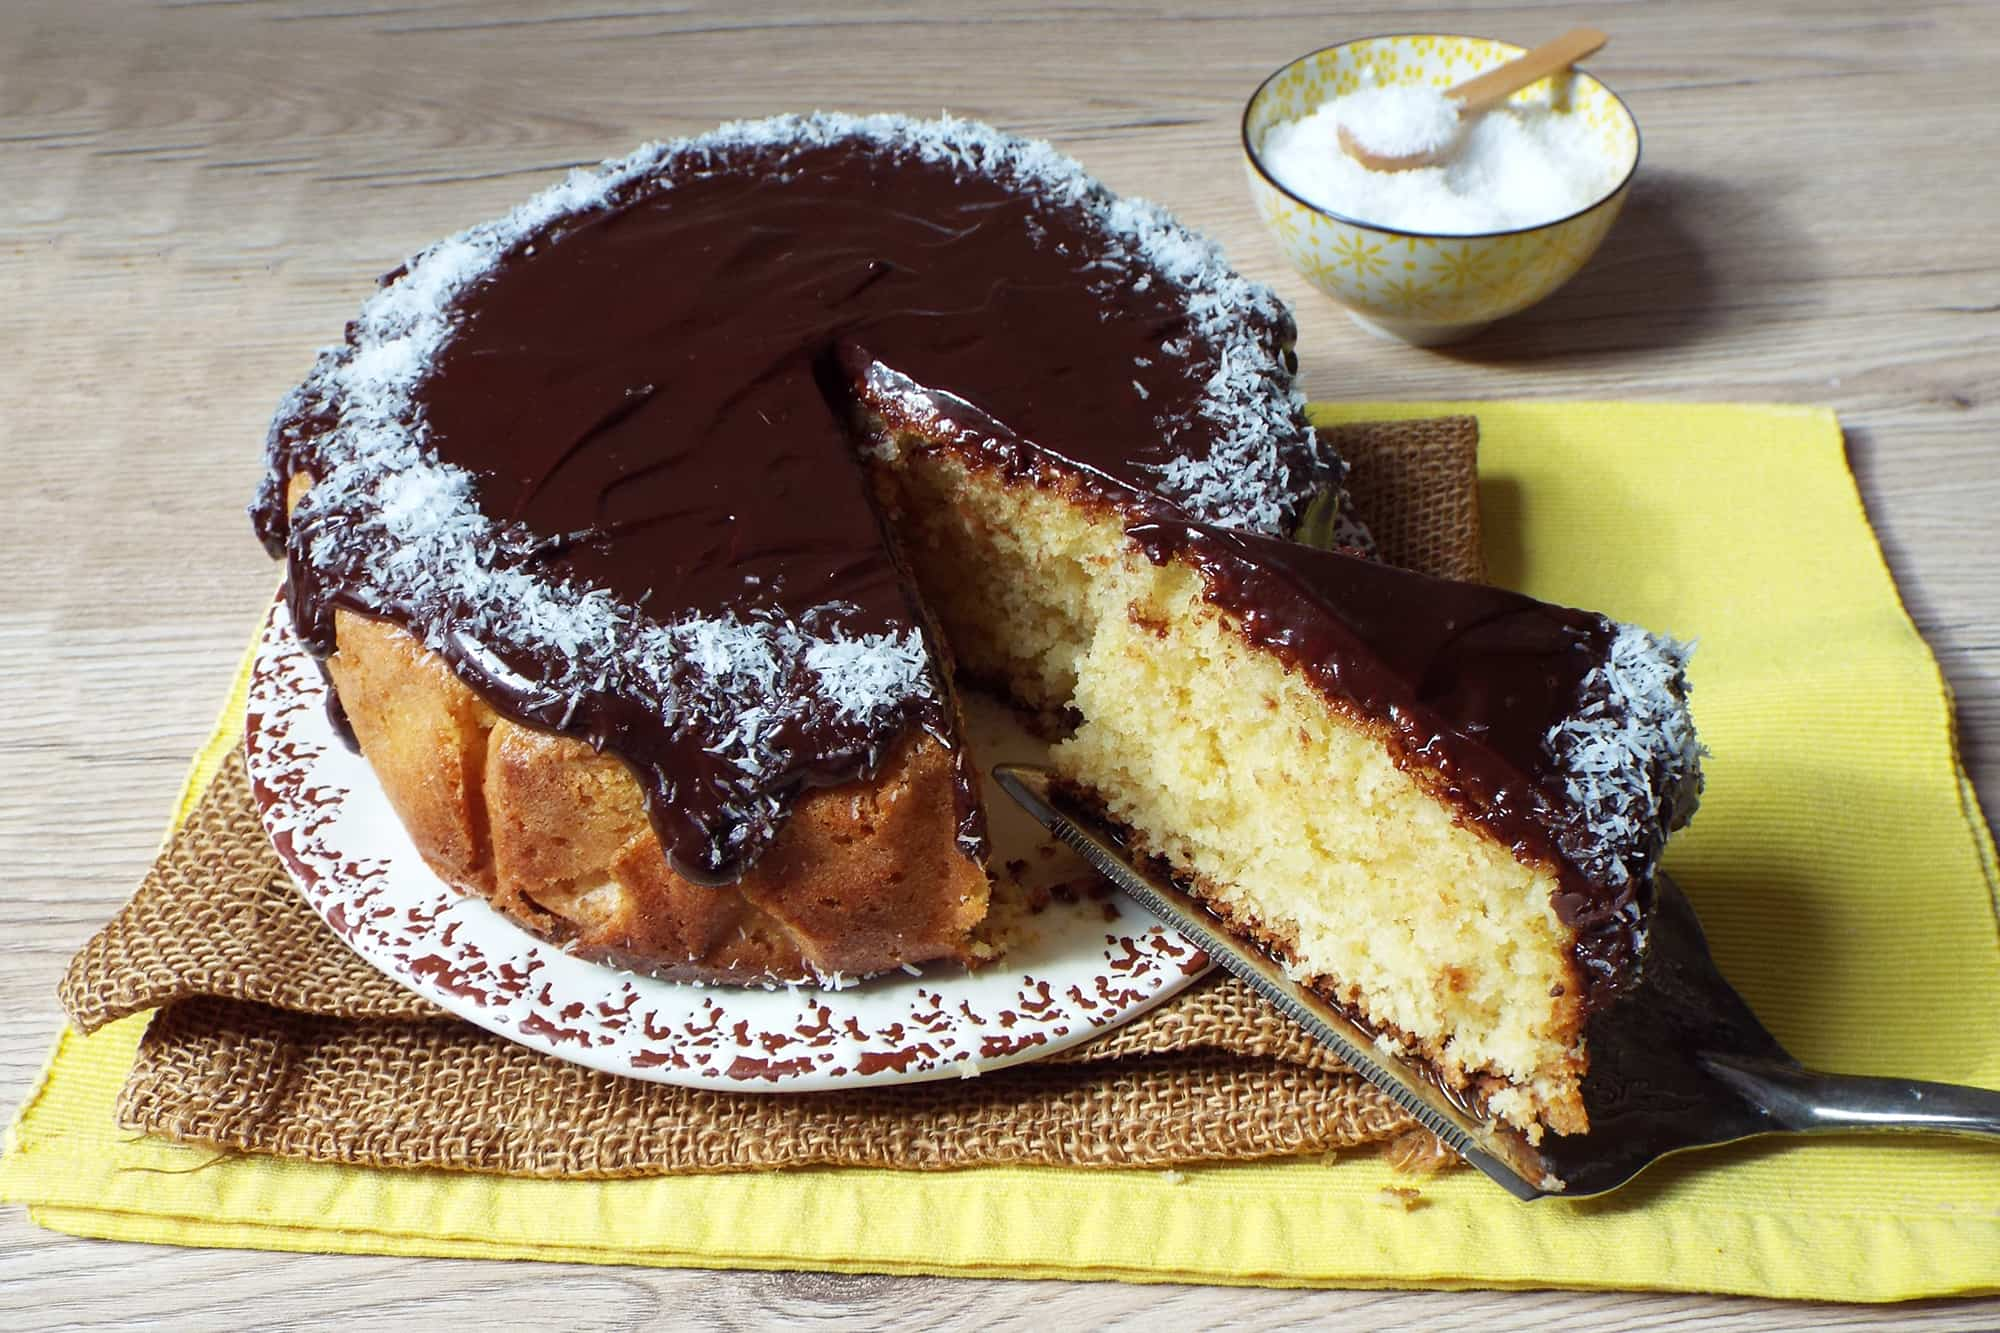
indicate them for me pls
(1483, 92)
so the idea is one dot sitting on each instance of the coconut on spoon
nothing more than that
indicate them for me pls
(1400, 127)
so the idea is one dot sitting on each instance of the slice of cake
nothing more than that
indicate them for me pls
(1440, 804)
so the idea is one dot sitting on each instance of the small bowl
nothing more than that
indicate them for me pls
(1419, 287)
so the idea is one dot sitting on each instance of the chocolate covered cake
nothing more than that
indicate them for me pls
(642, 531)
(1439, 804)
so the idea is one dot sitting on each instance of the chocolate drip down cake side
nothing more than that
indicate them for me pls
(645, 532)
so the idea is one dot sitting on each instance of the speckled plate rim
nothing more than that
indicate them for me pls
(1090, 966)
(1256, 159)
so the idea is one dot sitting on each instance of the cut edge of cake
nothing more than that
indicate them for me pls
(1286, 808)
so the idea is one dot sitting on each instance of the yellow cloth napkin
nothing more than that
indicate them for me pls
(1839, 862)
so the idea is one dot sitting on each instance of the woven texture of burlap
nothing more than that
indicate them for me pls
(272, 1037)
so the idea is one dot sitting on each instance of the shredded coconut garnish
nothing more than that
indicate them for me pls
(1630, 759)
(1246, 476)
(1521, 165)
(1399, 119)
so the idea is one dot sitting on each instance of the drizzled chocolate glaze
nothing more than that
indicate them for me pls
(649, 391)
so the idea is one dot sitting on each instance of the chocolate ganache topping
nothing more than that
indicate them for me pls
(600, 453)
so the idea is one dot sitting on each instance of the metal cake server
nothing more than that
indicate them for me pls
(1677, 1062)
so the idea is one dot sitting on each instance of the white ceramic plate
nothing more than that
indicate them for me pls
(1076, 968)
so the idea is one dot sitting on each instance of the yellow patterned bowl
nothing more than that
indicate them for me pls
(1415, 287)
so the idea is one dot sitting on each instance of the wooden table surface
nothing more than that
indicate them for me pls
(194, 196)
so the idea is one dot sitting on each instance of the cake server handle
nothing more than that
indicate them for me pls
(1806, 1101)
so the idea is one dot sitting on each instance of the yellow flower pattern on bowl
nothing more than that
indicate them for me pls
(1428, 289)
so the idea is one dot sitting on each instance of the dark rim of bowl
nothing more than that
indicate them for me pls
(1251, 155)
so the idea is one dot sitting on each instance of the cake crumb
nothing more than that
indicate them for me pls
(1401, 1196)
(1173, 1177)
(1417, 1152)
(1081, 887)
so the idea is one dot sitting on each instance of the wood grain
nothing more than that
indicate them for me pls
(193, 196)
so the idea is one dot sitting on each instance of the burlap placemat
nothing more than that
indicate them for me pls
(272, 1037)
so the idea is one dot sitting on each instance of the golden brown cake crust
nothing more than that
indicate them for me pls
(865, 877)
